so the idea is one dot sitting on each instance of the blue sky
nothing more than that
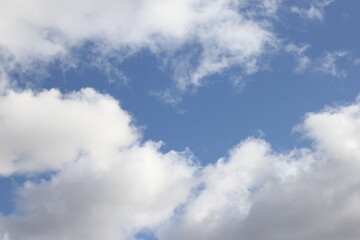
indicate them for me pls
(221, 113)
(240, 95)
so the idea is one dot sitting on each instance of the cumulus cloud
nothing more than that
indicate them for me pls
(231, 188)
(110, 185)
(257, 193)
(107, 183)
(315, 11)
(223, 33)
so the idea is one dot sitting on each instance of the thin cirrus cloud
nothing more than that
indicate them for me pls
(120, 186)
(298, 51)
(329, 63)
(228, 33)
(315, 11)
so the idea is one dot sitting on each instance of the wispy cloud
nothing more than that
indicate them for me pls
(328, 63)
(302, 61)
(333, 63)
(315, 11)
(357, 61)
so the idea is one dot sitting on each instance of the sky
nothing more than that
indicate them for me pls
(179, 119)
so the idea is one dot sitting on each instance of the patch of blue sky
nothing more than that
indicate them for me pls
(7, 195)
(145, 234)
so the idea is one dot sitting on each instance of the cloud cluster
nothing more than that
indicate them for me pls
(206, 36)
(108, 184)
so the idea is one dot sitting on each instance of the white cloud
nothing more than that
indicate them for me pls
(334, 125)
(118, 185)
(315, 10)
(46, 130)
(225, 32)
(231, 187)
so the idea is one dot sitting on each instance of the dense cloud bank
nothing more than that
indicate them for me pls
(109, 184)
